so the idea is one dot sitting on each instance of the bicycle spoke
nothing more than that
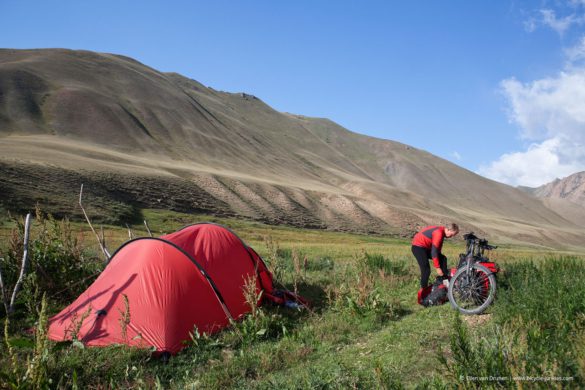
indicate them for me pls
(471, 290)
(473, 286)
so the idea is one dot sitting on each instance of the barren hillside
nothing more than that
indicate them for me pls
(142, 138)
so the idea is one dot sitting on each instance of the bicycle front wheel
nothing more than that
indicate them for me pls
(471, 292)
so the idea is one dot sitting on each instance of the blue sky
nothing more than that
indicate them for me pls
(494, 86)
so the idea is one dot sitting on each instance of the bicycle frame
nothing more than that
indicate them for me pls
(476, 248)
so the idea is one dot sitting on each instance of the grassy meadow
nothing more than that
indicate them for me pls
(363, 330)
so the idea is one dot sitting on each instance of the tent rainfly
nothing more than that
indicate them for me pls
(154, 291)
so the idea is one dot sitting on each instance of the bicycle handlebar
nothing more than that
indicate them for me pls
(483, 243)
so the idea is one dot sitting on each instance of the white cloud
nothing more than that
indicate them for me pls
(550, 106)
(550, 112)
(456, 156)
(540, 164)
(560, 25)
(576, 54)
(572, 11)
(551, 116)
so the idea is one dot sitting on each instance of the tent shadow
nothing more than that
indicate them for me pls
(313, 293)
(97, 314)
(73, 311)
(96, 331)
(319, 301)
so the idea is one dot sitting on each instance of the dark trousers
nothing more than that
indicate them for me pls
(422, 257)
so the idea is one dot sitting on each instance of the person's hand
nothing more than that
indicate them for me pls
(446, 283)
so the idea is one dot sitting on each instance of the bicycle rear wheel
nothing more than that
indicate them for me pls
(472, 292)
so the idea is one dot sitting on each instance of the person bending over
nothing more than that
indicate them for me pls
(427, 244)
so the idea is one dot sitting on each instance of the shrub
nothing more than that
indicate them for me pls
(258, 324)
(58, 264)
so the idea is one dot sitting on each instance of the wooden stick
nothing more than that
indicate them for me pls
(147, 228)
(130, 234)
(102, 236)
(24, 265)
(2, 291)
(102, 246)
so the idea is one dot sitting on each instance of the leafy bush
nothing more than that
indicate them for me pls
(58, 263)
(261, 326)
(258, 324)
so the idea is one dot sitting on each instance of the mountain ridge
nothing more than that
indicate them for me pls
(570, 188)
(94, 112)
(565, 196)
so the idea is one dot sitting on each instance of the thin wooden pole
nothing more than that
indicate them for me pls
(102, 236)
(102, 246)
(147, 228)
(24, 265)
(2, 291)
(130, 234)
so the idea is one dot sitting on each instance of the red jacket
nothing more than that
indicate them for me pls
(431, 238)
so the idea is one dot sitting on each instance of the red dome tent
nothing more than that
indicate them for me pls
(155, 290)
